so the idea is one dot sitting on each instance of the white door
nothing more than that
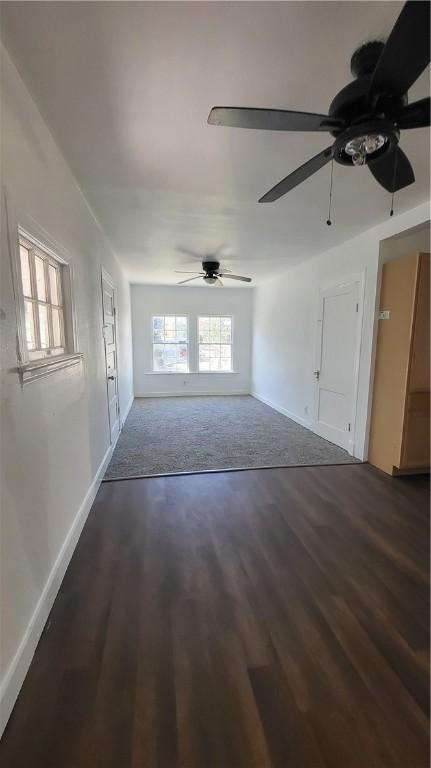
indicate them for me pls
(110, 337)
(337, 350)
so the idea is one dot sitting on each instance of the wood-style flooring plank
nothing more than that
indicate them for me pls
(259, 619)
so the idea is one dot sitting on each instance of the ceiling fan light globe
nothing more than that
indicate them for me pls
(373, 142)
(210, 280)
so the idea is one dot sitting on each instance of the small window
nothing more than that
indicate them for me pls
(215, 344)
(44, 315)
(170, 344)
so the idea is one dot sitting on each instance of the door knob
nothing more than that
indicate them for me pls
(316, 374)
(112, 378)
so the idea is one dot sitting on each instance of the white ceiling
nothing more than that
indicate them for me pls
(126, 89)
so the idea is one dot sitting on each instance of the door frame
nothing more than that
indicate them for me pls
(354, 277)
(105, 276)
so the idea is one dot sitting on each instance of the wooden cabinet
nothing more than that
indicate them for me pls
(400, 417)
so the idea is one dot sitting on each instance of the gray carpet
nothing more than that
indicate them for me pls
(194, 434)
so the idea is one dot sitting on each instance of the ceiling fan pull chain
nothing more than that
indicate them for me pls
(393, 184)
(328, 221)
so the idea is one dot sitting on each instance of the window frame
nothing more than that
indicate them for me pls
(231, 318)
(52, 350)
(170, 314)
(36, 363)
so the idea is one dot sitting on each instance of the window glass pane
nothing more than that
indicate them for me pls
(158, 361)
(225, 330)
(225, 350)
(56, 328)
(25, 271)
(169, 323)
(214, 350)
(43, 326)
(40, 278)
(170, 335)
(181, 330)
(214, 364)
(225, 364)
(204, 352)
(182, 353)
(29, 324)
(214, 329)
(170, 356)
(54, 284)
(181, 323)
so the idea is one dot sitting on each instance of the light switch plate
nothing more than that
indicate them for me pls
(384, 314)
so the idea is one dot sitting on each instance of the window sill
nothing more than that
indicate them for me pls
(37, 369)
(188, 373)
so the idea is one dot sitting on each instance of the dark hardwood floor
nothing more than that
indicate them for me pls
(268, 618)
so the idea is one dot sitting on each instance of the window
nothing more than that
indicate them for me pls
(45, 317)
(42, 293)
(170, 344)
(215, 344)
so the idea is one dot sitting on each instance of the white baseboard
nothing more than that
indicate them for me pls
(284, 411)
(188, 393)
(126, 413)
(18, 668)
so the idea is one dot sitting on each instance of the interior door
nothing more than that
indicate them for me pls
(110, 338)
(336, 364)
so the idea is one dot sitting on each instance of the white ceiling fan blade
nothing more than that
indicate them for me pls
(219, 282)
(189, 279)
(237, 277)
(188, 272)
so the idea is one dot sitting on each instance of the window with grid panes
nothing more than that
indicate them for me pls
(170, 344)
(41, 280)
(215, 344)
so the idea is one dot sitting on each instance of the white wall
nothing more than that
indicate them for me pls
(158, 300)
(411, 241)
(54, 430)
(285, 319)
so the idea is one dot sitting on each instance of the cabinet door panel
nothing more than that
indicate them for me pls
(416, 443)
(419, 379)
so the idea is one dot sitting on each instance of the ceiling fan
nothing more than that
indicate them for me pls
(212, 272)
(367, 115)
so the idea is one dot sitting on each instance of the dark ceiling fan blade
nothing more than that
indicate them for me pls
(393, 171)
(416, 115)
(189, 279)
(297, 177)
(407, 51)
(272, 119)
(235, 277)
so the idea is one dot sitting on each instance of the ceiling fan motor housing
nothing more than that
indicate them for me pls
(211, 268)
(365, 58)
(371, 132)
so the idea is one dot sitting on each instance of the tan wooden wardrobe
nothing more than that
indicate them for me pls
(400, 417)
